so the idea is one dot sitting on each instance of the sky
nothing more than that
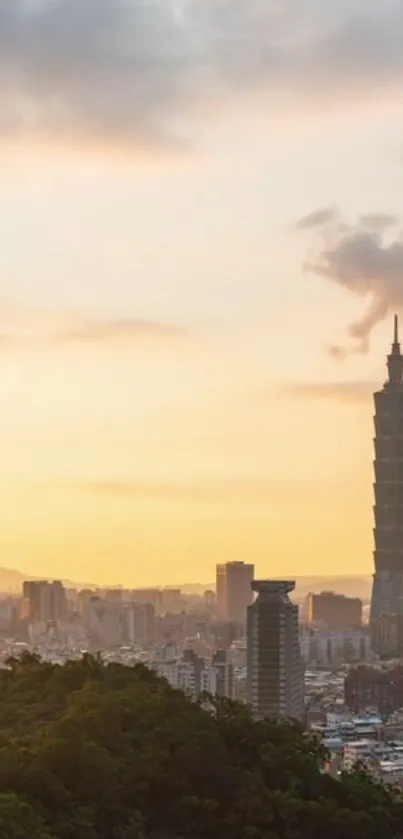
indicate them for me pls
(201, 252)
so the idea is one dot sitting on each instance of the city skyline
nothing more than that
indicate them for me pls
(180, 264)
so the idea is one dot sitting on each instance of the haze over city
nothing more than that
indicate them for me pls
(200, 258)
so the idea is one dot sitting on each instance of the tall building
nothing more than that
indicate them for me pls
(45, 601)
(234, 590)
(140, 623)
(58, 601)
(275, 671)
(35, 593)
(220, 591)
(387, 591)
(334, 611)
(103, 621)
(148, 595)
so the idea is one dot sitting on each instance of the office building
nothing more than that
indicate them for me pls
(377, 687)
(103, 621)
(58, 601)
(148, 595)
(387, 592)
(234, 591)
(220, 591)
(334, 611)
(140, 624)
(44, 601)
(35, 594)
(274, 664)
(224, 633)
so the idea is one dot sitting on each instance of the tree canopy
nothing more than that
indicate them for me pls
(95, 751)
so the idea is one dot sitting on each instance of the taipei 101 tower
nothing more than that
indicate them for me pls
(387, 592)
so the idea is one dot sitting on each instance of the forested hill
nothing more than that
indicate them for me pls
(108, 752)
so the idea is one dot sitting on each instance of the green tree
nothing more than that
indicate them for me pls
(18, 819)
(96, 751)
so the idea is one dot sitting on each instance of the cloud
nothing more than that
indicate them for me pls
(190, 490)
(318, 218)
(366, 262)
(379, 222)
(343, 391)
(113, 330)
(134, 71)
(21, 326)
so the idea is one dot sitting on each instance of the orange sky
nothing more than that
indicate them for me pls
(167, 400)
(148, 459)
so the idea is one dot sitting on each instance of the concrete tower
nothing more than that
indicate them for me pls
(275, 673)
(234, 592)
(387, 592)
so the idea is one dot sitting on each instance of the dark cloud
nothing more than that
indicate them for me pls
(343, 391)
(318, 218)
(363, 260)
(133, 71)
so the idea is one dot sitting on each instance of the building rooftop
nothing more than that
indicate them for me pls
(273, 586)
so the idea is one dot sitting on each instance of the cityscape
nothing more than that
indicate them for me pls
(321, 661)
(329, 662)
(201, 474)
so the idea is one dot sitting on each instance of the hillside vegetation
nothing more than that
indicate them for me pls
(90, 751)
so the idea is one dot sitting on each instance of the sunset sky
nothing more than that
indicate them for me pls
(201, 252)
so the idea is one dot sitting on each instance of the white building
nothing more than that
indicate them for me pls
(357, 751)
(195, 678)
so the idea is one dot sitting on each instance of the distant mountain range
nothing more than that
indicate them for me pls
(11, 582)
(350, 586)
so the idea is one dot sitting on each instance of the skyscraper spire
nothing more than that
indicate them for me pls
(395, 358)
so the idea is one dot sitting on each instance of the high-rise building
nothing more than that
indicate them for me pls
(234, 590)
(275, 671)
(35, 596)
(387, 592)
(103, 621)
(45, 601)
(58, 601)
(148, 595)
(220, 591)
(334, 611)
(140, 623)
